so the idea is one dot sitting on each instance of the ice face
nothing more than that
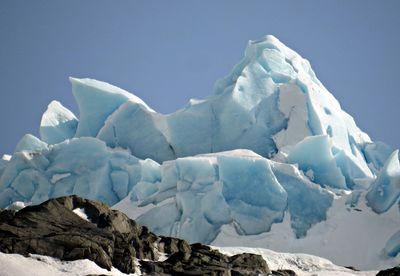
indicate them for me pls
(30, 143)
(392, 246)
(376, 154)
(208, 191)
(308, 203)
(58, 124)
(385, 191)
(96, 101)
(314, 153)
(84, 166)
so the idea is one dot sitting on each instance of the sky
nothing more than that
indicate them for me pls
(167, 52)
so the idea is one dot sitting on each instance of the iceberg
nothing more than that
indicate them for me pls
(271, 147)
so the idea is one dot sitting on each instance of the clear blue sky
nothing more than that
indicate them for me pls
(169, 51)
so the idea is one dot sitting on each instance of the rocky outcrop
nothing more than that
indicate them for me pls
(200, 259)
(107, 237)
(395, 271)
(71, 228)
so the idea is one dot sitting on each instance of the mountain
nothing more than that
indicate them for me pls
(270, 160)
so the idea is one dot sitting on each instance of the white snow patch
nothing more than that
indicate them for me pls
(81, 212)
(302, 264)
(18, 205)
(6, 157)
(292, 103)
(37, 265)
(55, 114)
(27, 155)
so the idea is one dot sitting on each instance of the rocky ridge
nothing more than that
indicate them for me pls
(71, 228)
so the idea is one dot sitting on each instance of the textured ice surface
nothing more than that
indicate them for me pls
(271, 144)
(209, 191)
(88, 168)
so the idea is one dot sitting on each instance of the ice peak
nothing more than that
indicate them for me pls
(96, 101)
(57, 124)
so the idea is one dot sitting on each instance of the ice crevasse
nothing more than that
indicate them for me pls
(291, 153)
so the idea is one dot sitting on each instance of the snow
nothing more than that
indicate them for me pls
(37, 265)
(81, 213)
(17, 205)
(292, 103)
(6, 157)
(302, 264)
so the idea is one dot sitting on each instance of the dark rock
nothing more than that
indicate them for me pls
(200, 259)
(395, 271)
(283, 272)
(110, 238)
(53, 229)
(172, 245)
(352, 268)
(249, 264)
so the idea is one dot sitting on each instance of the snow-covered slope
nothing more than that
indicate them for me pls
(302, 264)
(37, 265)
(270, 154)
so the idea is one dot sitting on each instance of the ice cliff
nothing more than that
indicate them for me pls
(271, 145)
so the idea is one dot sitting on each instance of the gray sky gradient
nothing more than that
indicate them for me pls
(167, 52)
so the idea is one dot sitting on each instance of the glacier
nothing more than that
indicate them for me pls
(271, 147)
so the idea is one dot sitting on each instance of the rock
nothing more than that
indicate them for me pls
(395, 271)
(71, 228)
(200, 259)
(109, 238)
(283, 272)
